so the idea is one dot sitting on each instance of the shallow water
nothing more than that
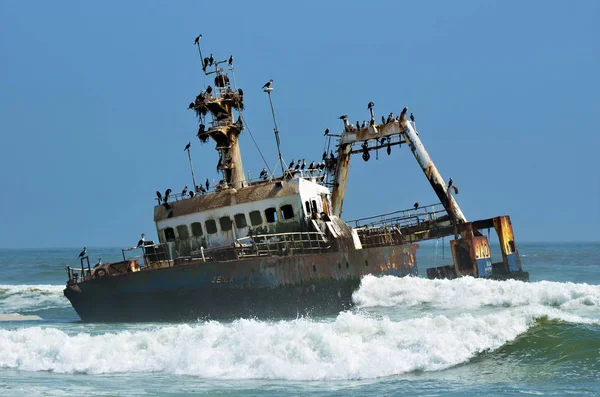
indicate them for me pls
(406, 336)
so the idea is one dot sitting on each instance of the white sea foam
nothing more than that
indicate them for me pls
(352, 346)
(19, 298)
(469, 293)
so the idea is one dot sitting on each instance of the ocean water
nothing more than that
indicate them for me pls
(406, 336)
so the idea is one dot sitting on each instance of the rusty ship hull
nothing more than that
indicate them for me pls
(274, 287)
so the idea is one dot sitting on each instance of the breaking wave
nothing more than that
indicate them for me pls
(352, 346)
(26, 298)
(470, 293)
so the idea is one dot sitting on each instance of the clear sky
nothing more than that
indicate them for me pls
(93, 99)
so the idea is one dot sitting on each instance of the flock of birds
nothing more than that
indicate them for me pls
(358, 125)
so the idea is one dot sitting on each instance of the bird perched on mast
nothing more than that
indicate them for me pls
(412, 118)
(343, 117)
(82, 253)
(268, 84)
(230, 61)
(211, 60)
(370, 105)
(197, 41)
(326, 131)
(187, 147)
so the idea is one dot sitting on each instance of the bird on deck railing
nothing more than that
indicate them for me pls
(142, 241)
(312, 165)
(297, 167)
(291, 165)
(303, 164)
(166, 198)
(207, 184)
(82, 253)
(263, 174)
(184, 191)
(159, 196)
(416, 205)
(191, 194)
(268, 84)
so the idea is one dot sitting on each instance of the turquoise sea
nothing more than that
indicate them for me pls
(406, 336)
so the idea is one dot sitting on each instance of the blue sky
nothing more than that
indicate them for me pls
(93, 99)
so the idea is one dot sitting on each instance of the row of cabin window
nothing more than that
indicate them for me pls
(287, 212)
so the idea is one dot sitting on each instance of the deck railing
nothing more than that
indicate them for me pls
(401, 219)
(282, 244)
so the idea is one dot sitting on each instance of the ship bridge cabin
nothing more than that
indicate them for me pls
(218, 219)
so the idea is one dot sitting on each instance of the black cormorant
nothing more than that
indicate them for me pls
(416, 205)
(191, 105)
(312, 165)
(382, 120)
(187, 146)
(211, 59)
(291, 164)
(191, 194)
(197, 39)
(412, 118)
(207, 184)
(230, 60)
(263, 174)
(268, 84)
(326, 131)
(370, 105)
(166, 198)
(205, 63)
(450, 183)
(240, 92)
(303, 164)
(184, 191)
(142, 241)
(343, 117)
(82, 253)
(208, 89)
(159, 196)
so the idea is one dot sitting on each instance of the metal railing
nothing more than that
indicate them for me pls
(282, 244)
(401, 219)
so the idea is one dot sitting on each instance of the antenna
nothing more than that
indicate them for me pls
(268, 90)
(191, 168)
(197, 42)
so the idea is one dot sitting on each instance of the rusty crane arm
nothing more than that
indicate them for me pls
(404, 129)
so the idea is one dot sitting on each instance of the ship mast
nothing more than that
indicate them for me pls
(220, 102)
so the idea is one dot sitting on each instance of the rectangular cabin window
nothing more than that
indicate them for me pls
(211, 226)
(197, 229)
(314, 206)
(169, 234)
(182, 232)
(287, 211)
(271, 215)
(225, 223)
(255, 218)
(307, 204)
(240, 221)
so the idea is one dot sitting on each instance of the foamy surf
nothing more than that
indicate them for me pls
(469, 293)
(19, 298)
(352, 346)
